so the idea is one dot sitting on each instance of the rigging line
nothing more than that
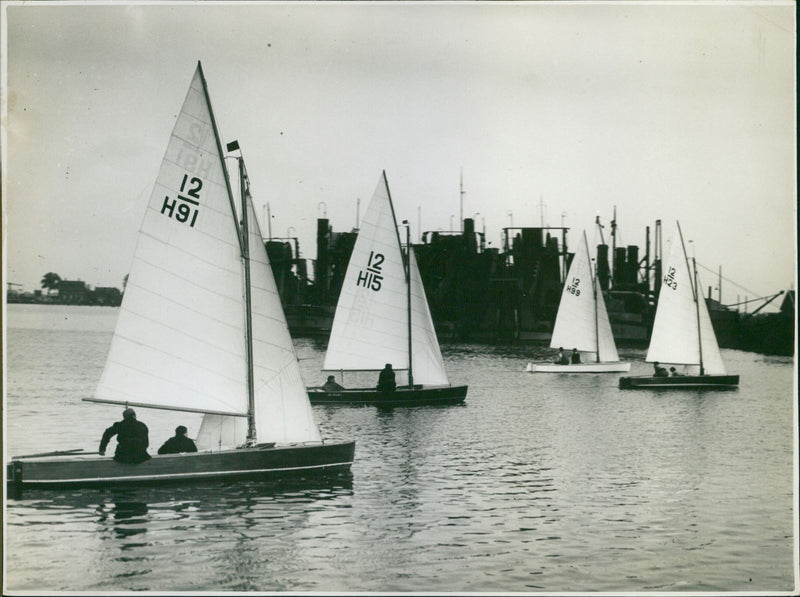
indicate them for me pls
(726, 279)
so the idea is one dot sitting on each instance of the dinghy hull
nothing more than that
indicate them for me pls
(260, 462)
(615, 367)
(402, 396)
(680, 383)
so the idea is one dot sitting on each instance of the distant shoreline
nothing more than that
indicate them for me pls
(25, 299)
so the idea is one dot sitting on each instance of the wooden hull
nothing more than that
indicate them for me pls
(612, 367)
(244, 463)
(680, 383)
(403, 396)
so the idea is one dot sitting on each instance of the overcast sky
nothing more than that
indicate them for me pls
(555, 112)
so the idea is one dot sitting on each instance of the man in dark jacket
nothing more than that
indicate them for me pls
(386, 381)
(132, 439)
(178, 443)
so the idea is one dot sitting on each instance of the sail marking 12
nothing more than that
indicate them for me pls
(370, 327)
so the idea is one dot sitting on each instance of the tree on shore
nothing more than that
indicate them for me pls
(51, 281)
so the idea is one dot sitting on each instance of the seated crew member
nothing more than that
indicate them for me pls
(576, 356)
(659, 371)
(331, 385)
(561, 358)
(132, 439)
(386, 382)
(674, 372)
(178, 443)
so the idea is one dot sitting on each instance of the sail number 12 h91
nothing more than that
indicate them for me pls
(184, 209)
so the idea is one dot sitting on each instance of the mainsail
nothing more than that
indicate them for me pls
(370, 327)
(682, 326)
(180, 338)
(582, 320)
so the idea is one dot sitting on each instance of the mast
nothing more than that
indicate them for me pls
(594, 294)
(241, 233)
(408, 300)
(248, 301)
(692, 275)
(407, 273)
(697, 298)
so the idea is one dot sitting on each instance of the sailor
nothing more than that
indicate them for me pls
(561, 359)
(659, 371)
(576, 356)
(178, 443)
(132, 439)
(386, 382)
(674, 372)
(331, 385)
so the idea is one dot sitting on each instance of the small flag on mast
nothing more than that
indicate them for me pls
(232, 146)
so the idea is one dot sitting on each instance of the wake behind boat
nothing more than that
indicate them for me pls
(201, 329)
(582, 322)
(682, 332)
(383, 317)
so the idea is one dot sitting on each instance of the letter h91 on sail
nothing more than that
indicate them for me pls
(184, 208)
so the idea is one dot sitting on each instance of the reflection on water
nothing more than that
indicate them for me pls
(536, 483)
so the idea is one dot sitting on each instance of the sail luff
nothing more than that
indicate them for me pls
(221, 154)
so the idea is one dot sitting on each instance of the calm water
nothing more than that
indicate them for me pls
(539, 483)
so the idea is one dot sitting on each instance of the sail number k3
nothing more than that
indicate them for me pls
(184, 208)
(572, 287)
(371, 276)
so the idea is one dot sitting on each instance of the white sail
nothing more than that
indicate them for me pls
(582, 319)
(712, 358)
(370, 327)
(605, 342)
(676, 336)
(180, 340)
(428, 365)
(283, 412)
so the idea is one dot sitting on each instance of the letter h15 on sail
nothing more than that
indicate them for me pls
(371, 278)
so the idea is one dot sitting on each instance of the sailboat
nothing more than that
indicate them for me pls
(201, 329)
(382, 317)
(682, 331)
(582, 322)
